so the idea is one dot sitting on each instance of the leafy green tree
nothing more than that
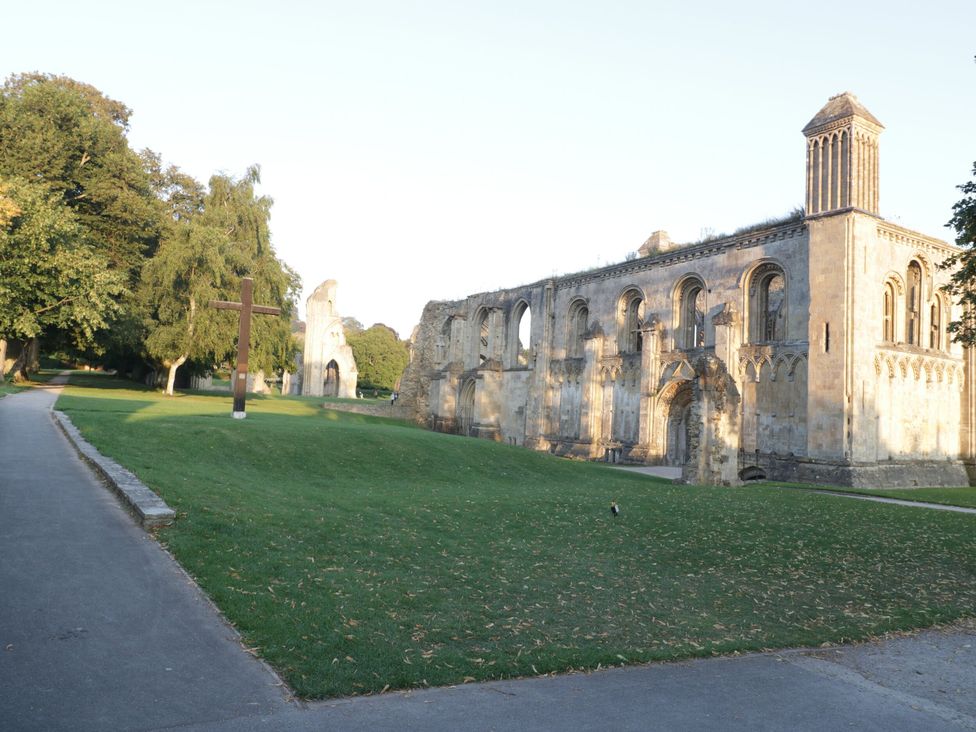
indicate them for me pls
(351, 325)
(51, 274)
(962, 284)
(204, 253)
(380, 356)
(70, 138)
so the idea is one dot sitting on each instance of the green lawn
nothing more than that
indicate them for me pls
(949, 496)
(39, 377)
(357, 554)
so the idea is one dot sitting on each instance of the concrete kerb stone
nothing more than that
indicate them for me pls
(148, 508)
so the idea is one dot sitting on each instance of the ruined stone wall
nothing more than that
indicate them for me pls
(328, 364)
(772, 352)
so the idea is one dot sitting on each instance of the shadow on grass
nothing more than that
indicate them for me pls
(359, 555)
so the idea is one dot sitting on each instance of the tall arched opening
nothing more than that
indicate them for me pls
(679, 422)
(330, 387)
(466, 408)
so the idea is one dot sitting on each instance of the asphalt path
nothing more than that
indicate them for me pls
(101, 630)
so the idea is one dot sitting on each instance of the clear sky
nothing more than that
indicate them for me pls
(430, 150)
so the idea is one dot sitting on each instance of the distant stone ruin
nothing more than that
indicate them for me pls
(328, 366)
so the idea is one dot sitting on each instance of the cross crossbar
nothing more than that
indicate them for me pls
(246, 307)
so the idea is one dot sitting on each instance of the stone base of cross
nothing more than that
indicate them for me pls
(246, 307)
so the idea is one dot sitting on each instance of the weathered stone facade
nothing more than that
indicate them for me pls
(814, 349)
(328, 366)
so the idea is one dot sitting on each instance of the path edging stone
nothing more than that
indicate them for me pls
(148, 508)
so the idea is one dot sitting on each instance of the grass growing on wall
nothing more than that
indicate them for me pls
(358, 554)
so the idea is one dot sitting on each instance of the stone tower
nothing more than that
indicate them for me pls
(842, 157)
(329, 366)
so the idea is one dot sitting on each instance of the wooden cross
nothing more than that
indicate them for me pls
(246, 307)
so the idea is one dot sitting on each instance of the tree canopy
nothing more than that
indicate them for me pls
(51, 274)
(69, 138)
(380, 356)
(962, 284)
(205, 251)
(108, 250)
(63, 146)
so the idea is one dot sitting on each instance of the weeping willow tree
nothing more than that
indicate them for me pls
(204, 253)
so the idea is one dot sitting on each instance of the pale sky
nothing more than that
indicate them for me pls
(431, 150)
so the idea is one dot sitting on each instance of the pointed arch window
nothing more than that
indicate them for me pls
(522, 334)
(631, 321)
(691, 315)
(888, 314)
(935, 326)
(913, 305)
(484, 332)
(578, 316)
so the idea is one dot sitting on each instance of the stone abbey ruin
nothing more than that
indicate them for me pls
(814, 349)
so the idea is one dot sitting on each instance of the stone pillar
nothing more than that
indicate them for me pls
(714, 429)
(727, 340)
(591, 396)
(651, 334)
(967, 422)
(540, 387)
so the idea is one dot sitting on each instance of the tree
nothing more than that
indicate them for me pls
(350, 325)
(380, 356)
(69, 138)
(962, 283)
(203, 255)
(51, 274)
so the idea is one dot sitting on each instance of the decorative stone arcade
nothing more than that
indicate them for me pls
(811, 349)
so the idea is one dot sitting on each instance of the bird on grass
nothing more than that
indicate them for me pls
(614, 508)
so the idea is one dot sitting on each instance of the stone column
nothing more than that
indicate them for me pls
(540, 386)
(591, 401)
(714, 431)
(651, 334)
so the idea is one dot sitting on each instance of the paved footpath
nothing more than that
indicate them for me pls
(101, 630)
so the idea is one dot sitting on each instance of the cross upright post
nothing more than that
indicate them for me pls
(246, 307)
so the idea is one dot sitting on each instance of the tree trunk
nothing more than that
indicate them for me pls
(172, 374)
(34, 355)
(3, 358)
(19, 368)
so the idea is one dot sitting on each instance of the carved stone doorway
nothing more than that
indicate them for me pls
(679, 416)
(466, 408)
(331, 386)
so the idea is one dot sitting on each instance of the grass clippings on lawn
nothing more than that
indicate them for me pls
(358, 554)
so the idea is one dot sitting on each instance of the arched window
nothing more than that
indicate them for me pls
(691, 315)
(767, 304)
(442, 346)
(631, 319)
(935, 326)
(913, 305)
(888, 314)
(522, 332)
(483, 331)
(330, 387)
(578, 316)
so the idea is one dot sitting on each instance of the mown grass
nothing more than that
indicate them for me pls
(965, 496)
(37, 378)
(357, 554)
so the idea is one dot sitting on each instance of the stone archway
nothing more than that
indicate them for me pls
(330, 386)
(466, 408)
(679, 420)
